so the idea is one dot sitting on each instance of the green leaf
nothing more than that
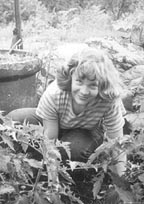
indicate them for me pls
(120, 182)
(23, 200)
(2, 128)
(97, 185)
(6, 189)
(66, 176)
(66, 146)
(17, 163)
(33, 163)
(111, 196)
(141, 154)
(125, 196)
(141, 178)
(54, 153)
(27, 169)
(103, 148)
(55, 198)
(73, 164)
(105, 165)
(39, 199)
(71, 195)
(4, 160)
(7, 140)
(24, 147)
(24, 141)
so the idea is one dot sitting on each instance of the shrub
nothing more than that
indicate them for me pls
(28, 8)
(32, 170)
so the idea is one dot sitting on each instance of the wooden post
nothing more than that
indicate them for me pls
(17, 37)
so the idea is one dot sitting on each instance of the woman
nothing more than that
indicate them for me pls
(84, 99)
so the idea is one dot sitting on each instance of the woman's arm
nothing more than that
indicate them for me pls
(47, 109)
(50, 129)
(115, 135)
(114, 122)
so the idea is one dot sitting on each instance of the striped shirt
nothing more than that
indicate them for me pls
(56, 104)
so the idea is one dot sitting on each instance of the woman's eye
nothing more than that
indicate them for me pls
(79, 81)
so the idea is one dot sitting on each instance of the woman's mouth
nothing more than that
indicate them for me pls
(83, 98)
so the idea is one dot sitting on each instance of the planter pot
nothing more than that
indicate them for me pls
(18, 80)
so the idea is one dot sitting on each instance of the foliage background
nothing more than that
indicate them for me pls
(46, 21)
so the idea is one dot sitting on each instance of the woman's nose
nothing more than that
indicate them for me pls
(84, 90)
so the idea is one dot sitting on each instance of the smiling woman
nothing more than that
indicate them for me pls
(94, 65)
(83, 91)
(85, 96)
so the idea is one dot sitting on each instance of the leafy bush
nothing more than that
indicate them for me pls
(87, 23)
(6, 11)
(28, 9)
(29, 167)
(32, 170)
(117, 8)
(59, 5)
(120, 8)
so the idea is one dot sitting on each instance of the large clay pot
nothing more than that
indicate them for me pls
(18, 80)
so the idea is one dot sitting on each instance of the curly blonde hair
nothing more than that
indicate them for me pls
(92, 64)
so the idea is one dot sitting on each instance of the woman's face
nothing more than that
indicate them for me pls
(83, 90)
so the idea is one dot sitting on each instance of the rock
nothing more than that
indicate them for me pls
(134, 81)
(133, 76)
(137, 33)
(127, 99)
(121, 56)
(136, 120)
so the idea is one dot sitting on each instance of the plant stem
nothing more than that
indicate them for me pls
(38, 177)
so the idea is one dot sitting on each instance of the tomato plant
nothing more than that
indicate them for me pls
(32, 170)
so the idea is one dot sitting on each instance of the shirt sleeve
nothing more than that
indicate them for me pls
(113, 118)
(47, 107)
